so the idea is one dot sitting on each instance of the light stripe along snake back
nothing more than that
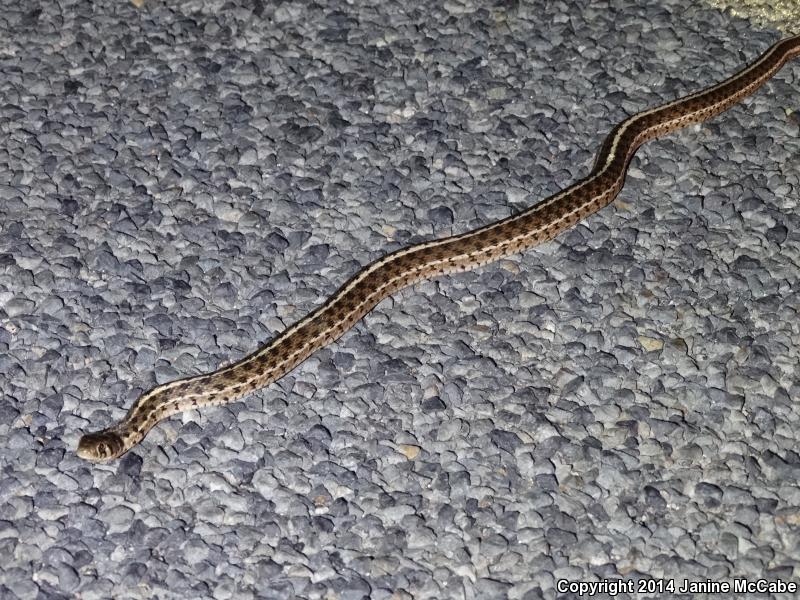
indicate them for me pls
(404, 267)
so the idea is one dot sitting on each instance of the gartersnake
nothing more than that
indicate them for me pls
(457, 253)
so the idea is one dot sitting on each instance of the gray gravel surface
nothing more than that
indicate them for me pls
(180, 182)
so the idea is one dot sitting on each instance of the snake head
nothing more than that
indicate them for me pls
(100, 446)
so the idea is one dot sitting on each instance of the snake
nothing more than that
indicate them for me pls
(396, 270)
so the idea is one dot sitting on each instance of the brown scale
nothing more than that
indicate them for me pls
(457, 253)
(263, 362)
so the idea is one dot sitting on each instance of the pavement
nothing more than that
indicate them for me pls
(182, 181)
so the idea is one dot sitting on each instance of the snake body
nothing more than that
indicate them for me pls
(402, 268)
